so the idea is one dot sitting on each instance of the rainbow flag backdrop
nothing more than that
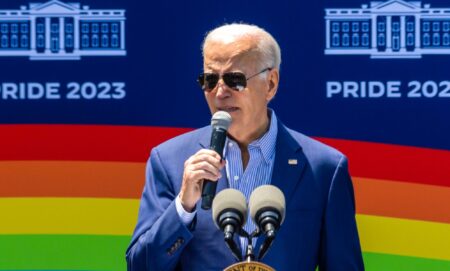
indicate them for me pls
(73, 200)
(88, 87)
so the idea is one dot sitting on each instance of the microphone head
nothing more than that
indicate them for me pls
(221, 119)
(229, 200)
(265, 198)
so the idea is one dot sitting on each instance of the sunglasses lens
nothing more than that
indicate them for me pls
(210, 81)
(235, 80)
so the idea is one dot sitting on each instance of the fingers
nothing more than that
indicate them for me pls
(204, 170)
(203, 165)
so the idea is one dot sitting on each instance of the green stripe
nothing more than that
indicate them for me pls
(92, 252)
(63, 252)
(388, 262)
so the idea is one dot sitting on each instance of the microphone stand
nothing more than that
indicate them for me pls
(249, 252)
(229, 240)
(228, 237)
(270, 236)
(249, 262)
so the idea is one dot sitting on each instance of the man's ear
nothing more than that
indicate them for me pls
(274, 78)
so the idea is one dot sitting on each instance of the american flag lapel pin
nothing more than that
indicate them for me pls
(292, 162)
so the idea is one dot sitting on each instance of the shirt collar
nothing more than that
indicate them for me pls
(267, 142)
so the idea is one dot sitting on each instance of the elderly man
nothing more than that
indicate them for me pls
(241, 75)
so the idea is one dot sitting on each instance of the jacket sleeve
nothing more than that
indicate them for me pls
(340, 249)
(160, 236)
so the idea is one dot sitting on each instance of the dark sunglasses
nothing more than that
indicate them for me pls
(235, 80)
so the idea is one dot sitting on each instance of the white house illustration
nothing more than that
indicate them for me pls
(61, 31)
(391, 29)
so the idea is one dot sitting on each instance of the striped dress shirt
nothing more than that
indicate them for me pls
(258, 171)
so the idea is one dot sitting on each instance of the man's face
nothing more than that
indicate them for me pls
(248, 108)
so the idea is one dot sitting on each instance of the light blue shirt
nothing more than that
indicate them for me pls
(258, 171)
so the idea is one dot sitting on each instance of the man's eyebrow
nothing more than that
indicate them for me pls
(210, 68)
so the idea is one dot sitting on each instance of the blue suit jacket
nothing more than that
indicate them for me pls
(319, 228)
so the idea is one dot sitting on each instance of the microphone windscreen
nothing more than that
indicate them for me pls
(267, 197)
(221, 119)
(229, 199)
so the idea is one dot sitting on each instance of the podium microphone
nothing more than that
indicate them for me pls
(267, 209)
(229, 211)
(220, 122)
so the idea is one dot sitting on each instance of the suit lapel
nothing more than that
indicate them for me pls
(289, 165)
(289, 161)
(205, 138)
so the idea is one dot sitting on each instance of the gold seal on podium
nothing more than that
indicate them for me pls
(249, 266)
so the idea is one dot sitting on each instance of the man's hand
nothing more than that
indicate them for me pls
(205, 164)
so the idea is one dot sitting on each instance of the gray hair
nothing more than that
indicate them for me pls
(267, 46)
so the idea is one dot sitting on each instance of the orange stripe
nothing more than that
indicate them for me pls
(402, 200)
(126, 180)
(71, 179)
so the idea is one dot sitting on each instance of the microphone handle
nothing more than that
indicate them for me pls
(208, 194)
(218, 138)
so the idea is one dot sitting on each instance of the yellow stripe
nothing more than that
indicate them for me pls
(118, 217)
(404, 237)
(68, 216)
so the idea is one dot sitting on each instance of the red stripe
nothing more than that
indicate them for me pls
(133, 143)
(395, 162)
(81, 142)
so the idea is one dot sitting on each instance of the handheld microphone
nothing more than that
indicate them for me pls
(229, 211)
(220, 122)
(267, 209)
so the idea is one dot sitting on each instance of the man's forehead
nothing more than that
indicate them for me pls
(227, 48)
(218, 53)
(242, 62)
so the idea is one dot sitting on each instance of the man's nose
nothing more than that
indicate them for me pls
(222, 90)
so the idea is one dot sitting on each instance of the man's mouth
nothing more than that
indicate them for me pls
(228, 109)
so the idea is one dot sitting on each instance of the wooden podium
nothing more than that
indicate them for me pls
(249, 266)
